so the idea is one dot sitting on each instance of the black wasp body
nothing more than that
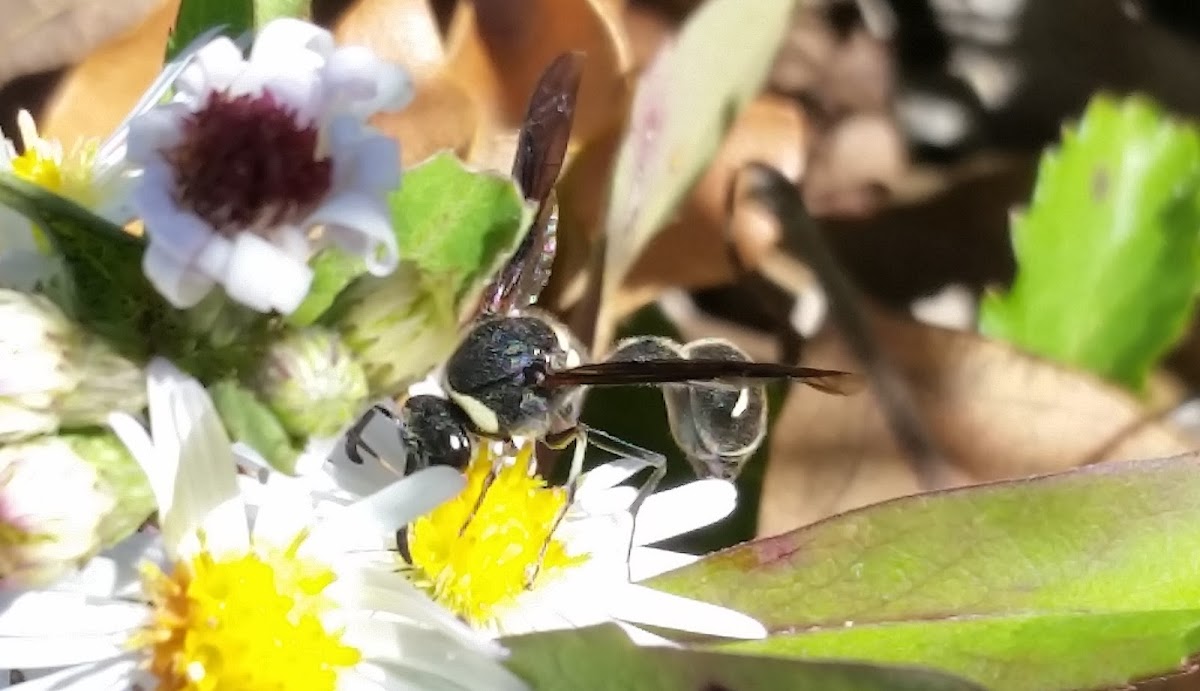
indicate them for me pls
(519, 373)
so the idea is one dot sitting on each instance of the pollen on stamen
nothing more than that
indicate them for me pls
(248, 621)
(248, 163)
(475, 561)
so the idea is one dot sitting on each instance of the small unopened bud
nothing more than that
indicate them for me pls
(398, 328)
(54, 374)
(312, 382)
(122, 478)
(52, 504)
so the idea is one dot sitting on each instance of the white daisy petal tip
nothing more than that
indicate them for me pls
(642, 605)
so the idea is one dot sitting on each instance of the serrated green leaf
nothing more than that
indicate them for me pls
(333, 270)
(197, 16)
(251, 422)
(1108, 251)
(1042, 652)
(107, 291)
(600, 658)
(455, 225)
(1113, 539)
(685, 102)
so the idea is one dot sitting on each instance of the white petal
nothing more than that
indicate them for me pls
(363, 160)
(59, 651)
(213, 258)
(374, 587)
(409, 647)
(286, 35)
(114, 147)
(360, 226)
(157, 129)
(642, 605)
(648, 562)
(643, 637)
(212, 69)
(372, 676)
(263, 277)
(608, 475)
(181, 285)
(110, 675)
(286, 509)
(116, 570)
(179, 233)
(683, 509)
(398, 504)
(205, 490)
(52, 613)
(364, 83)
(160, 471)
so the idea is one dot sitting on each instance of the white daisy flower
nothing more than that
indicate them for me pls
(476, 554)
(224, 602)
(259, 161)
(93, 174)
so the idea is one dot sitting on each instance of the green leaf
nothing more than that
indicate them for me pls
(1056, 651)
(333, 270)
(266, 10)
(107, 291)
(455, 225)
(602, 657)
(251, 422)
(197, 16)
(1108, 251)
(685, 102)
(1117, 542)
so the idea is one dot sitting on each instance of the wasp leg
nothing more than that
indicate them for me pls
(355, 445)
(487, 483)
(560, 440)
(584, 436)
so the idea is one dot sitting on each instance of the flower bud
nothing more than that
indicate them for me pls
(312, 382)
(398, 328)
(52, 504)
(55, 374)
(121, 478)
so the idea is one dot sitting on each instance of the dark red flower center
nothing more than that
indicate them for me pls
(245, 163)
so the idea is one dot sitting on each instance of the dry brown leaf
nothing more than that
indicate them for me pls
(440, 116)
(96, 95)
(854, 167)
(995, 412)
(402, 31)
(40, 35)
(691, 252)
(645, 29)
(498, 49)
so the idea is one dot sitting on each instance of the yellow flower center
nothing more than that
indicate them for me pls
(250, 621)
(43, 163)
(476, 560)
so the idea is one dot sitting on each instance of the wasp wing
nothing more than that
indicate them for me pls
(541, 149)
(699, 371)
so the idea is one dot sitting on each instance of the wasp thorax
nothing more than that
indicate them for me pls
(498, 371)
